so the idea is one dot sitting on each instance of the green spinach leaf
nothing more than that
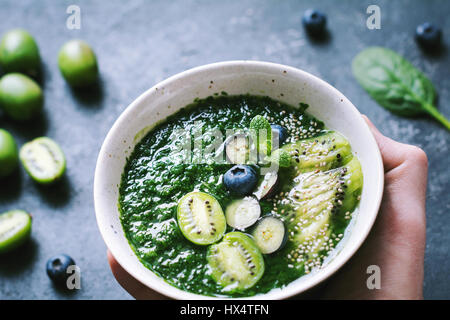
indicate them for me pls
(396, 84)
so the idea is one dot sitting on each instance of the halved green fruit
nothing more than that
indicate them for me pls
(200, 218)
(15, 229)
(43, 160)
(236, 262)
(319, 196)
(325, 152)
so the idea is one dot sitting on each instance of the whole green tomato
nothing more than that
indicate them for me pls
(19, 53)
(20, 96)
(8, 154)
(78, 64)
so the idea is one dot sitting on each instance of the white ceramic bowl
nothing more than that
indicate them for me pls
(279, 82)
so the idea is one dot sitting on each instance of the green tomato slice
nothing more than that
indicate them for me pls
(15, 229)
(43, 160)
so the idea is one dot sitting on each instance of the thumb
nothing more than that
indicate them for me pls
(392, 151)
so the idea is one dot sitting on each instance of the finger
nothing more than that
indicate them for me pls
(392, 151)
(130, 284)
(405, 180)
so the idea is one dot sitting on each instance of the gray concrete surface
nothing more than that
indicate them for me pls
(139, 43)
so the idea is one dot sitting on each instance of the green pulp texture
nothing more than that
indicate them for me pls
(153, 182)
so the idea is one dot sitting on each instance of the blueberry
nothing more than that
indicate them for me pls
(314, 21)
(280, 132)
(428, 35)
(57, 267)
(240, 180)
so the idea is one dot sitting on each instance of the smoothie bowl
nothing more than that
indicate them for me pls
(238, 179)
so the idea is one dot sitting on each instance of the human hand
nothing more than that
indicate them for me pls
(130, 284)
(396, 243)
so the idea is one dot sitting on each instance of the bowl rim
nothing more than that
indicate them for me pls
(283, 293)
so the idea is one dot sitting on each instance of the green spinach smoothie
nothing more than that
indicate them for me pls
(224, 224)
